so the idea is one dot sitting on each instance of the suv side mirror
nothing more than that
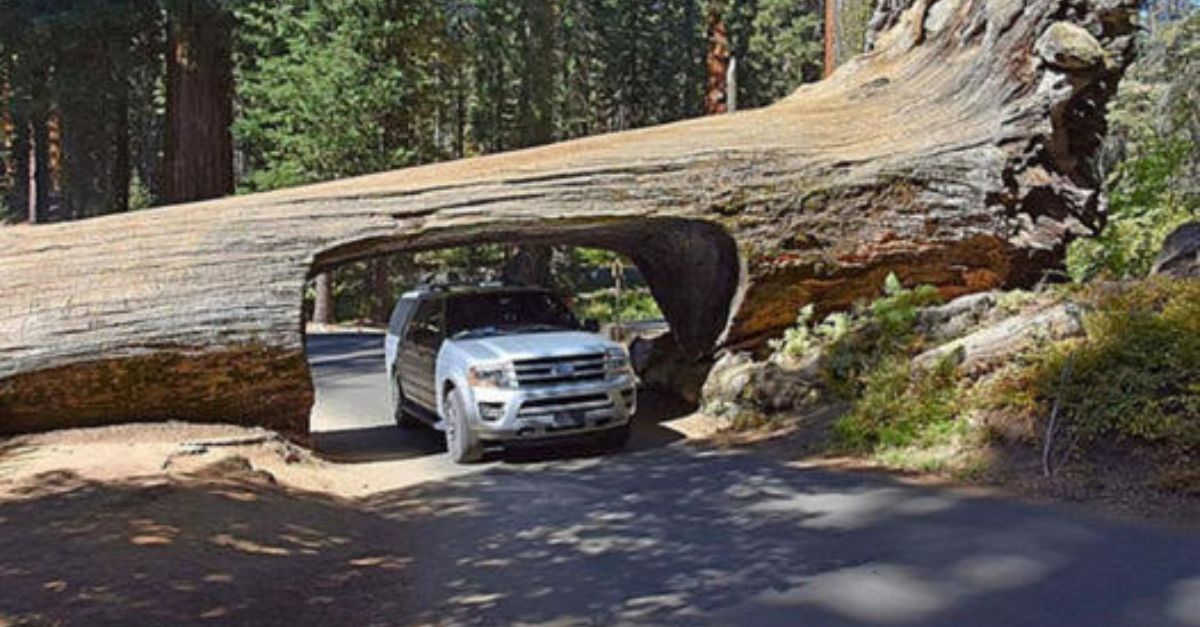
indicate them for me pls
(591, 325)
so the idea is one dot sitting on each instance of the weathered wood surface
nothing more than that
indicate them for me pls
(955, 154)
(984, 350)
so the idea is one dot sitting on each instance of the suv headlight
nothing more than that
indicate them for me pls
(616, 362)
(492, 376)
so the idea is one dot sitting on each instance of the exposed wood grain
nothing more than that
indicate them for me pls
(955, 153)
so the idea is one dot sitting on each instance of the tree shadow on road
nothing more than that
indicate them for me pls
(674, 535)
(689, 536)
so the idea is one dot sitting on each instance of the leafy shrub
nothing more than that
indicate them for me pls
(881, 330)
(1146, 205)
(602, 306)
(1150, 156)
(802, 337)
(899, 408)
(1137, 375)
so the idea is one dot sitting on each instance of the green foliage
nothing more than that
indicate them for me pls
(1151, 155)
(603, 306)
(346, 87)
(898, 409)
(334, 89)
(1137, 375)
(803, 338)
(784, 50)
(881, 330)
(1146, 204)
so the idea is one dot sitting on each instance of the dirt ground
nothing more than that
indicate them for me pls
(179, 523)
(190, 524)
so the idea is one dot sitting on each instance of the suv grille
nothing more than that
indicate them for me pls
(557, 404)
(560, 370)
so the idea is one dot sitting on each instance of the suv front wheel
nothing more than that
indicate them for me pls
(461, 443)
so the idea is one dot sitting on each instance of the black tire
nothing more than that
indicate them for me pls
(616, 439)
(403, 419)
(462, 445)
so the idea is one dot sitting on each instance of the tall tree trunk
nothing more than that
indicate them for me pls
(537, 82)
(122, 166)
(18, 196)
(381, 292)
(846, 30)
(717, 63)
(323, 307)
(40, 175)
(199, 144)
(8, 161)
(830, 37)
(460, 113)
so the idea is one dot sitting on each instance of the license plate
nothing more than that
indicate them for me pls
(568, 419)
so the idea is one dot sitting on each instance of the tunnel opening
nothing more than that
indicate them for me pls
(663, 287)
(691, 267)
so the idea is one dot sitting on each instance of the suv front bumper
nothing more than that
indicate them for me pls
(534, 413)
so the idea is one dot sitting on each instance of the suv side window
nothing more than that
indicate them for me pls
(426, 327)
(403, 306)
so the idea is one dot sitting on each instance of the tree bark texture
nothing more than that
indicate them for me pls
(955, 154)
(323, 305)
(846, 30)
(716, 65)
(198, 157)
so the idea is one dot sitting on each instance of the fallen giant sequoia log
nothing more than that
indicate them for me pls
(955, 153)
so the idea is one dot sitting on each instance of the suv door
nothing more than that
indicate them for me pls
(417, 359)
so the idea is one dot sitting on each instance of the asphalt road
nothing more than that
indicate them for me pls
(671, 533)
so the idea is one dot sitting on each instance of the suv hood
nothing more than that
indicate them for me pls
(533, 345)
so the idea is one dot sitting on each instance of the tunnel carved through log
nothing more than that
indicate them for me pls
(955, 153)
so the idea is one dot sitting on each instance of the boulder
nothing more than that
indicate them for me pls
(1180, 256)
(990, 347)
(955, 318)
(1069, 47)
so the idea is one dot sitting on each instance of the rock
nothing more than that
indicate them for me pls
(739, 383)
(988, 348)
(729, 378)
(955, 318)
(1180, 256)
(662, 364)
(1069, 47)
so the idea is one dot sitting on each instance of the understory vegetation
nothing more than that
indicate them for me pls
(1150, 156)
(1119, 388)
(1128, 381)
(1134, 377)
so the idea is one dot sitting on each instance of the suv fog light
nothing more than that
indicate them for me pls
(491, 412)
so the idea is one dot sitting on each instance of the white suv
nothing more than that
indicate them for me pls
(504, 365)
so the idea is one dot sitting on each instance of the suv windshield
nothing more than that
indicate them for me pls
(506, 312)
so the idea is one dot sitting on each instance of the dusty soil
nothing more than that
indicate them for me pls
(185, 524)
(178, 523)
